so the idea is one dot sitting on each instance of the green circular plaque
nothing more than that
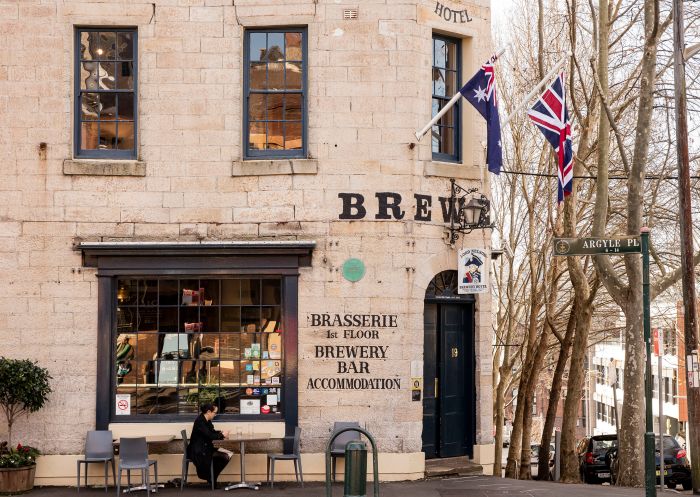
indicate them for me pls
(353, 270)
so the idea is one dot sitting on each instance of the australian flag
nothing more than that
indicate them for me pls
(481, 93)
(550, 114)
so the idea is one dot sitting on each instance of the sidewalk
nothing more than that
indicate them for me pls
(469, 486)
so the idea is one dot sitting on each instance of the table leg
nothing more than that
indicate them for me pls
(243, 483)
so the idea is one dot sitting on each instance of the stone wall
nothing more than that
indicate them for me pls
(369, 90)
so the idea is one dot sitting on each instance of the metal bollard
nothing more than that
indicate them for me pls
(355, 484)
(355, 465)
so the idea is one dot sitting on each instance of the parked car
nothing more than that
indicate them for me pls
(535, 459)
(594, 457)
(676, 464)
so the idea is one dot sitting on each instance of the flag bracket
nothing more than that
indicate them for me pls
(469, 210)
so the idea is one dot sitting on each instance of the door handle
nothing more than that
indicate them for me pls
(436, 387)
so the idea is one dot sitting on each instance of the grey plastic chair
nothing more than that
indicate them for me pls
(98, 449)
(186, 461)
(133, 454)
(294, 456)
(338, 447)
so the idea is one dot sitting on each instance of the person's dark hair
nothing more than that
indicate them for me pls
(205, 408)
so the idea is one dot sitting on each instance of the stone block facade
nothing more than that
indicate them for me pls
(369, 89)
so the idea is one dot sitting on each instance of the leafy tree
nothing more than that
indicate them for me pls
(24, 388)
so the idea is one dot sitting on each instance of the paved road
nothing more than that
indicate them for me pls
(472, 486)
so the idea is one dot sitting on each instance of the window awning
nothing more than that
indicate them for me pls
(195, 255)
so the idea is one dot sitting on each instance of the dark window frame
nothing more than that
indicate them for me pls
(80, 153)
(117, 260)
(302, 153)
(457, 133)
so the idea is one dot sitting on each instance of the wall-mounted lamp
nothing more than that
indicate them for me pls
(470, 211)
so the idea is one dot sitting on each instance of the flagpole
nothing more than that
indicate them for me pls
(536, 89)
(448, 106)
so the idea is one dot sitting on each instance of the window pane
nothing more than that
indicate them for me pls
(125, 44)
(230, 292)
(211, 292)
(125, 75)
(270, 319)
(89, 43)
(230, 346)
(439, 82)
(126, 106)
(125, 138)
(257, 135)
(108, 106)
(209, 316)
(294, 75)
(126, 319)
(107, 135)
(88, 135)
(439, 53)
(275, 76)
(256, 110)
(275, 107)
(451, 57)
(275, 46)
(451, 83)
(90, 107)
(293, 46)
(168, 292)
(250, 319)
(147, 346)
(448, 118)
(258, 45)
(88, 75)
(271, 290)
(148, 319)
(435, 139)
(146, 400)
(258, 76)
(107, 48)
(293, 132)
(250, 292)
(292, 107)
(231, 319)
(106, 76)
(229, 401)
(275, 135)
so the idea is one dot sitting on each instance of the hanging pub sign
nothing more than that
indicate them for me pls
(472, 271)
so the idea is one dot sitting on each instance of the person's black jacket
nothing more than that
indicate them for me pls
(201, 448)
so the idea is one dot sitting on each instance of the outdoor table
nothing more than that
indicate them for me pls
(150, 439)
(242, 438)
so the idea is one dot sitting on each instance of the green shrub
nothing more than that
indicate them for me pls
(24, 388)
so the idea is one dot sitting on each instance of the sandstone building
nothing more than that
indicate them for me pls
(217, 200)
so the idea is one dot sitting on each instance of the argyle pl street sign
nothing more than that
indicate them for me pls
(592, 246)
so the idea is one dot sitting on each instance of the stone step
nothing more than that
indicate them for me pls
(452, 466)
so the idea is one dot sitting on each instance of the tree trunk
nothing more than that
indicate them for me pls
(572, 404)
(516, 434)
(554, 396)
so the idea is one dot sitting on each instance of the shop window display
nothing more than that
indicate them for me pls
(183, 342)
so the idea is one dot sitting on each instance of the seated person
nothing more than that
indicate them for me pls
(201, 450)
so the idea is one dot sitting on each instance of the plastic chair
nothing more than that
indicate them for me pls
(98, 448)
(186, 461)
(338, 447)
(294, 456)
(133, 454)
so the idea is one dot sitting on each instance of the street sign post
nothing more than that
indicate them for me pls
(564, 247)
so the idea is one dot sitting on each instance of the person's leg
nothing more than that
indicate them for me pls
(220, 459)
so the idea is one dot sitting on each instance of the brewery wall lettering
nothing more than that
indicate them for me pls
(353, 344)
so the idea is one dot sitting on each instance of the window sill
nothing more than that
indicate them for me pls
(274, 167)
(104, 167)
(452, 170)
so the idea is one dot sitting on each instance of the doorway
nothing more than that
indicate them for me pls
(449, 392)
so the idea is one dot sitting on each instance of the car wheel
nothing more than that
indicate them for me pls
(687, 485)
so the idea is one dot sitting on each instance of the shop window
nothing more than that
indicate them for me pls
(446, 82)
(179, 343)
(275, 93)
(105, 93)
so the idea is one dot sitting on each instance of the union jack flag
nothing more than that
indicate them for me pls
(550, 115)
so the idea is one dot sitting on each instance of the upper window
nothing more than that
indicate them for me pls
(105, 89)
(275, 93)
(446, 82)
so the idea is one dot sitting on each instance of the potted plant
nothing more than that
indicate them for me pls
(24, 388)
